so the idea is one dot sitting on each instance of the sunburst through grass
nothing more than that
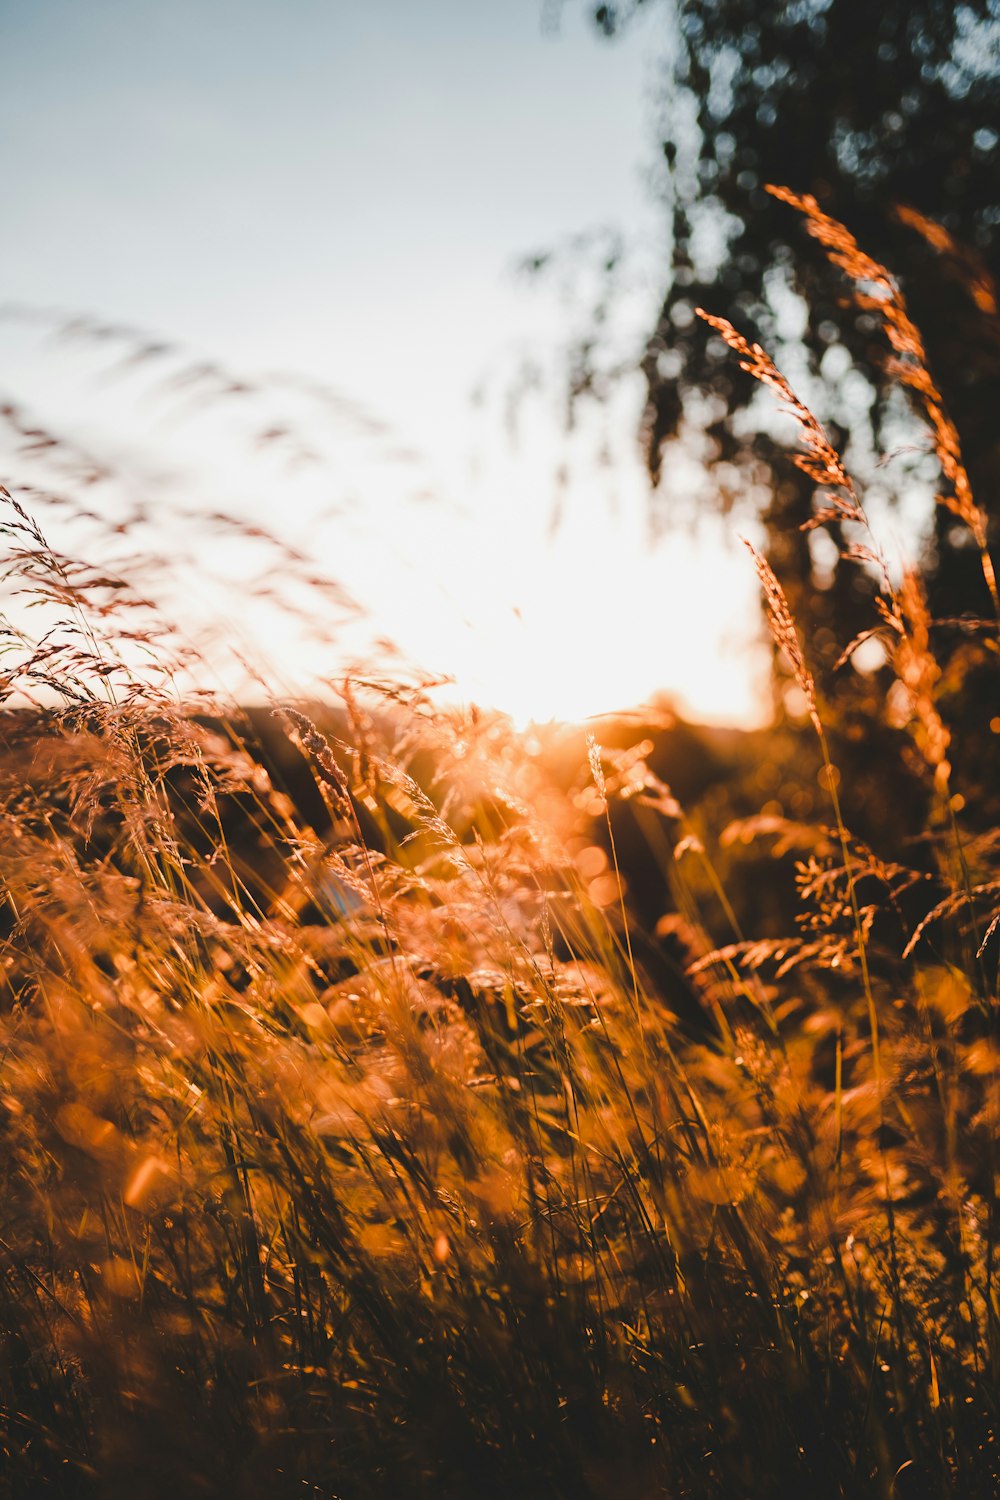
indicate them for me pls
(365, 1134)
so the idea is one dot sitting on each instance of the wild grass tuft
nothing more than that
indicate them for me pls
(362, 1137)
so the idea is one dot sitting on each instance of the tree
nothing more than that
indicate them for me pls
(864, 108)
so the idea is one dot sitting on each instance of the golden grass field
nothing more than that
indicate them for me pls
(369, 1129)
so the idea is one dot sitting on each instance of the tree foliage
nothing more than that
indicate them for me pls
(867, 109)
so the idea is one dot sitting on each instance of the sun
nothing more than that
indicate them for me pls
(575, 632)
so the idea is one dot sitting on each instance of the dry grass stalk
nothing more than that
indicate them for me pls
(975, 275)
(918, 671)
(821, 462)
(784, 632)
(886, 301)
(902, 612)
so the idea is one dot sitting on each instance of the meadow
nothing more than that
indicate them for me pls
(394, 1104)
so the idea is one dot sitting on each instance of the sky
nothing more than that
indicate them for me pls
(345, 192)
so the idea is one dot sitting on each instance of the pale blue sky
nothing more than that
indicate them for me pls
(344, 190)
(307, 181)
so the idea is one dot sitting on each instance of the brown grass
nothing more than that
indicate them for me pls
(357, 1143)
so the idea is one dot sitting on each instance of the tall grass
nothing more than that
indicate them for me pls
(354, 1144)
